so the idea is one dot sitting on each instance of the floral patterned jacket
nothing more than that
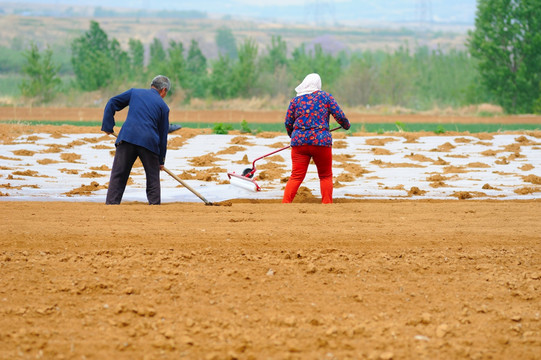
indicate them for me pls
(307, 119)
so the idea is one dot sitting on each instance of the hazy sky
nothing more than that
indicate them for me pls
(440, 11)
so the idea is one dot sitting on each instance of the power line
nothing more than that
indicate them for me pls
(319, 12)
(423, 9)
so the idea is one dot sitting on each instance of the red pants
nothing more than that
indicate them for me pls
(300, 158)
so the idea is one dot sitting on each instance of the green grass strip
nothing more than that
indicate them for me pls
(378, 128)
(443, 128)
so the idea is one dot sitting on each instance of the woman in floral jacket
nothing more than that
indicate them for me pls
(307, 123)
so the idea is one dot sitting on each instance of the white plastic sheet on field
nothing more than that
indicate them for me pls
(493, 168)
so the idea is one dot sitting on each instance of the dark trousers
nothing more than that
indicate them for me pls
(125, 157)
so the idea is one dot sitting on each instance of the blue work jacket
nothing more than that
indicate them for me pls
(147, 122)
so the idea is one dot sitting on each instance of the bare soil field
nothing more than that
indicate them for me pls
(253, 279)
(365, 279)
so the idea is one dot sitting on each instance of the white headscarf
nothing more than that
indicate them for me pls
(311, 83)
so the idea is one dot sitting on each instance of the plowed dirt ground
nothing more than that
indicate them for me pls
(368, 279)
(395, 279)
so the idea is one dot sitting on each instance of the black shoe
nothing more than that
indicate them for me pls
(174, 127)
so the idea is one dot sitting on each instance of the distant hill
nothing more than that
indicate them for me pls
(352, 12)
(368, 25)
(17, 31)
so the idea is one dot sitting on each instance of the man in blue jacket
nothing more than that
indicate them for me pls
(143, 135)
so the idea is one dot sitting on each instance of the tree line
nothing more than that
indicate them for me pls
(502, 65)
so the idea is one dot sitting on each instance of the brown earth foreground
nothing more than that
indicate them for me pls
(253, 280)
(365, 279)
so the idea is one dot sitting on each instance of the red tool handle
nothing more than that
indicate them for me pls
(274, 152)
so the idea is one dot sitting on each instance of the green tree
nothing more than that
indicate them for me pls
(137, 58)
(395, 81)
(276, 83)
(275, 77)
(10, 60)
(244, 69)
(220, 78)
(121, 60)
(42, 81)
(537, 105)
(158, 58)
(316, 61)
(301, 63)
(173, 64)
(358, 83)
(327, 66)
(196, 71)
(225, 40)
(507, 42)
(444, 78)
(91, 58)
(276, 55)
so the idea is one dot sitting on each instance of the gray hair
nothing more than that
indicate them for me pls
(161, 82)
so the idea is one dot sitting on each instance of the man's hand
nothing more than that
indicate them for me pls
(161, 167)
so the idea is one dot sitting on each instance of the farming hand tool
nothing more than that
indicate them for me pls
(182, 182)
(245, 180)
